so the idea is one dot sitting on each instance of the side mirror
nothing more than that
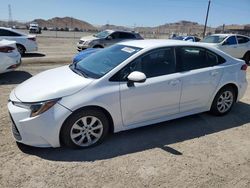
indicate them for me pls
(137, 76)
(109, 38)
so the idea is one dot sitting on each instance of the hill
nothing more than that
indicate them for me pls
(65, 22)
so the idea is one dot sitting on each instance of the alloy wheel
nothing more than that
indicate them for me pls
(225, 101)
(86, 131)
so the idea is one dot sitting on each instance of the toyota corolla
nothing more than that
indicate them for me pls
(125, 86)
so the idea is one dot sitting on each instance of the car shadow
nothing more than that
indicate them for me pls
(29, 55)
(14, 77)
(159, 136)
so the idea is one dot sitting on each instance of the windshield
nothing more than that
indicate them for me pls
(103, 61)
(102, 34)
(214, 39)
(178, 38)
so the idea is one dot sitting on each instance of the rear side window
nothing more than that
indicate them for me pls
(190, 58)
(4, 32)
(242, 40)
(231, 41)
(126, 35)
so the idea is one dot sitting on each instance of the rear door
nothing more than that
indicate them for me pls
(243, 45)
(200, 75)
(230, 46)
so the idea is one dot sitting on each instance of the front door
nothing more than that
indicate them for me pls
(158, 96)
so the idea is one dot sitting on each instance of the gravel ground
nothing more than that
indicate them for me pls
(195, 151)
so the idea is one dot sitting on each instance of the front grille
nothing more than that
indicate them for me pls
(15, 131)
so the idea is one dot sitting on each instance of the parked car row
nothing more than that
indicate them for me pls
(130, 83)
(124, 86)
(106, 38)
(25, 43)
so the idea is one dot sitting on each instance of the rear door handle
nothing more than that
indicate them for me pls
(214, 73)
(174, 82)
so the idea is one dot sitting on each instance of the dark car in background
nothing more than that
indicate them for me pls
(187, 38)
(106, 38)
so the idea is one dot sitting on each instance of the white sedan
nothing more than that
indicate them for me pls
(125, 86)
(25, 43)
(235, 45)
(10, 58)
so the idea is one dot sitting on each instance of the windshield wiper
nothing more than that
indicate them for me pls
(77, 70)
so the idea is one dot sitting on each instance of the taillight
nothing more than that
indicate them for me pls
(32, 38)
(6, 49)
(244, 67)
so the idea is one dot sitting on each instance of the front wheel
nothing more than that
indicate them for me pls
(84, 129)
(223, 101)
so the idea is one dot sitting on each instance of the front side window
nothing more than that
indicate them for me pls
(231, 41)
(103, 61)
(124, 35)
(155, 63)
(191, 58)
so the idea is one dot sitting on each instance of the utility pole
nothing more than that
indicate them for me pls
(205, 27)
(10, 16)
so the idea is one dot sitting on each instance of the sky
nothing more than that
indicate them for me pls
(130, 12)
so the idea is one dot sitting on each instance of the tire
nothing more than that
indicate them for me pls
(21, 49)
(85, 128)
(223, 101)
(247, 58)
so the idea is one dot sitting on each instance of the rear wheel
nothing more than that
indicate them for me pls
(223, 101)
(21, 49)
(84, 129)
(247, 58)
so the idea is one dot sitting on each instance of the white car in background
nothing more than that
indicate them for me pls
(10, 58)
(125, 86)
(235, 45)
(25, 43)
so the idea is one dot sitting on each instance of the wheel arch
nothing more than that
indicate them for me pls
(229, 84)
(247, 52)
(92, 107)
(98, 46)
(18, 44)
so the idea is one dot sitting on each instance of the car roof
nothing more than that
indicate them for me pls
(150, 43)
(228, 34)
(112, 31)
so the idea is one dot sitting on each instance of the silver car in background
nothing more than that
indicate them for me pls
(106, 38)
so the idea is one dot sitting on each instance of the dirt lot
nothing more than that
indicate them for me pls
(196, 151)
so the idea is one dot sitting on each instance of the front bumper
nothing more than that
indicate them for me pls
(39, 131)
(81, 47)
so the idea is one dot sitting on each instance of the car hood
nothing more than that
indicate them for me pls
(51, 84)
(88, 38)
(211, 44)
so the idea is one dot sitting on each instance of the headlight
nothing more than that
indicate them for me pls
(87, 42)
(36, 108)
